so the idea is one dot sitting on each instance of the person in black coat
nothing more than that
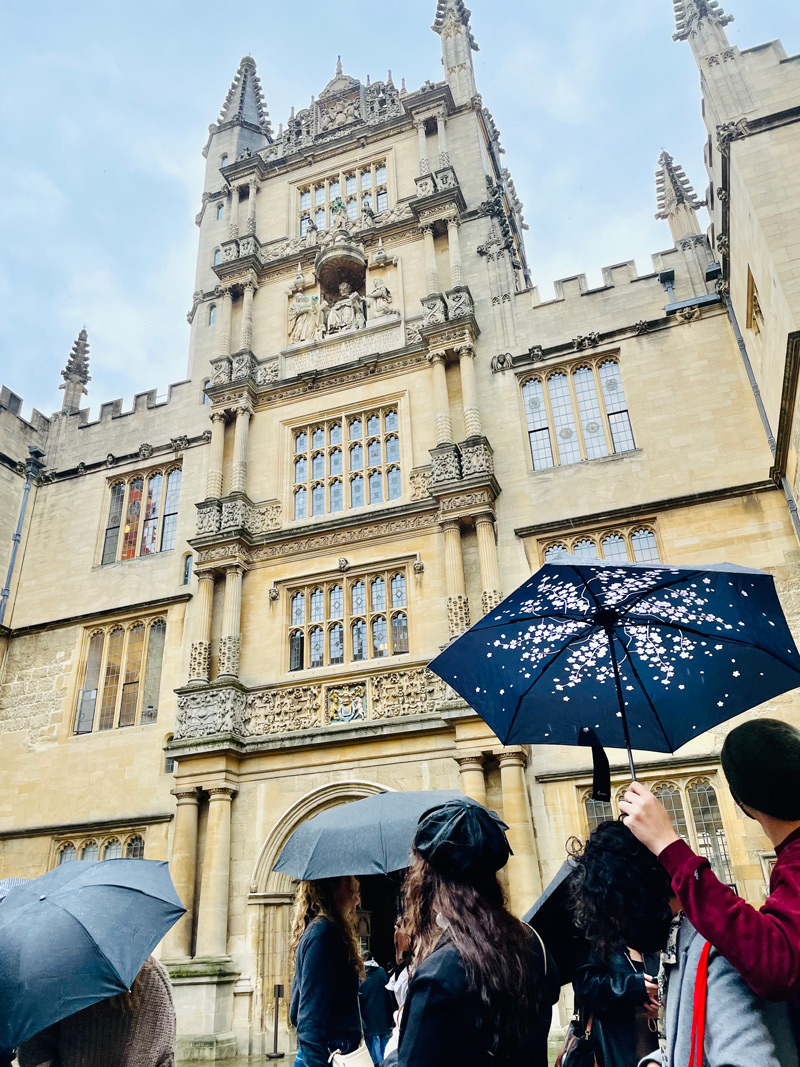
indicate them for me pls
(482, 985)
(377, 1007)
(324, 1002)
(620, 995)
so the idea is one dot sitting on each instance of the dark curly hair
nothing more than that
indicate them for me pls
(620, 893)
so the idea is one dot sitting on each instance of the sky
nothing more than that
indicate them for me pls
(104, 111)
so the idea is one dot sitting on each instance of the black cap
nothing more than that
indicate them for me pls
(761, 760)
(461, 838)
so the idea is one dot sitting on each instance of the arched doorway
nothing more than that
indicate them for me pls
(272, 896)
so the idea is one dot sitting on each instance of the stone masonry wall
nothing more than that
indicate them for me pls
(32, 690)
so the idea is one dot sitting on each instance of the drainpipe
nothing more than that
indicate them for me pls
(33, 464)
(787, 490)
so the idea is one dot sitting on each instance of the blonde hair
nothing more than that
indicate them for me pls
(317, 900)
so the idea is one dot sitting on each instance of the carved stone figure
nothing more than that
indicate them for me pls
(338, 214)
(303, 318)
(379, 300)
(347, 704)
(347, 313)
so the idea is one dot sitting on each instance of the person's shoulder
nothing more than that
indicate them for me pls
(444, 966)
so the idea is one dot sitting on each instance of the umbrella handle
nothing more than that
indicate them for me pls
(610, 635)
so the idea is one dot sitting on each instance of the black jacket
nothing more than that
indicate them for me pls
(377, 1003)
(324, 1004)
(611, 991)
(444, 1021)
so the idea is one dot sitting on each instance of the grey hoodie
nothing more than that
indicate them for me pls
(742, 1030)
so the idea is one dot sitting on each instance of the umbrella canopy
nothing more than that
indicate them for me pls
(645, 655)
(369, 836)
(551, 916)
(78, 934)
(7, 884)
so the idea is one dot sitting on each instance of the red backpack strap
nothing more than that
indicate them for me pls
(699, 1011)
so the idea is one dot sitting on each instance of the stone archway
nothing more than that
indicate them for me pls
(272, 896)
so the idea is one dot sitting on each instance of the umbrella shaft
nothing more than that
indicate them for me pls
(618, 683)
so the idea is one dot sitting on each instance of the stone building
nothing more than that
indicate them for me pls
(222, 602)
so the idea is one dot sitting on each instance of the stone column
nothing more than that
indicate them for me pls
(216, 451)
(523, 872)
(230, 641)
(251, 208)
(454, 248)
(489, 566)
(244, 411)
(246, 339)
(200, 653)
(431, 273)
(441, 403)
(233, 228)
(441, 122)
(212, 918)
(469, 393)
(424, 165)
(226, 314)
(183, 868)
(457, 603)
(473, 782)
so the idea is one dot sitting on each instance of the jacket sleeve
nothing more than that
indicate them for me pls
(430, 1018)
(763, 946)
(600, 987)
(41, 1049)
(315, 988)
(737, 1032)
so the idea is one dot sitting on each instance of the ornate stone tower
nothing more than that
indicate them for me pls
(76, 374)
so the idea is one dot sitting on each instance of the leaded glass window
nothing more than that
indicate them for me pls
(597, 811)
(711, 840)
(345, 183)
(150, 508)
(66, 854)
(113, 849)
(625, 544)
(134, 850)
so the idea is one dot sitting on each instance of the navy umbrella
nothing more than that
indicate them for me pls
(78, 934)
(642, 655)
(551, 916)
(369, 836)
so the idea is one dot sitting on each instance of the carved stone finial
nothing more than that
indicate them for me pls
(76, 374)
(689, 12)
(339, 70)
(673, 188)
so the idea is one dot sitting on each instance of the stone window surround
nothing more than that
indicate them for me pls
(324, 177)
(145, 473)
(599, 533)
(378, 405)
(126, 625)
(682, 782)
(80, 840)
(346, 578)
(568, 367)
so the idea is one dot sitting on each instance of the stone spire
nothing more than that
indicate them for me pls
(76, 374)
(458, 44)
(688, 13)
(245, 100)
(677, 202)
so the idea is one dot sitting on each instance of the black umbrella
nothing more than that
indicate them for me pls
(369, 836)
(551, 916)
(77, 935)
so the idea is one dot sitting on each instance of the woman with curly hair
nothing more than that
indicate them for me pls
(623, 897)
(324, 947)
(482, 985)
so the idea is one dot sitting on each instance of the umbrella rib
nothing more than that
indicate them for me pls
(625, 607)
(646, 694)
(710, 637)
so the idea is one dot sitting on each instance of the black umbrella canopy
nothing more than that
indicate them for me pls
(369, 836)
(551, 916)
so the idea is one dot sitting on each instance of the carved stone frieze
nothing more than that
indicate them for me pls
(220, 553)
(445, 464)
(208, 517)
(267, 372)
(457, 615)
(347, 703)
(426, 185)
(416, 691)
(476, 458)
(446, 178)
(357, 345)
(435, 310)
(459, 303)
(211, 711)
(468, 502)
(421, 483)
(242, 366)
(413, 335)
(584, 341)
(220, 371)
(276, 711)
(254, 518)
(346, 536)
(229, 649)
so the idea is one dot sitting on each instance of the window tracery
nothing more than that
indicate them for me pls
(621, 544)
(149, 504)
(363, 189)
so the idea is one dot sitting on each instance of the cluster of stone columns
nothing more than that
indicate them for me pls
(212, 909)
(524, 883)
(230, 639)
(225, 322)
(441, 137)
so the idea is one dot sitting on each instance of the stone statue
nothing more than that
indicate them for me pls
(303, 314)
(347, 313)
(338, 214)
(379, 300)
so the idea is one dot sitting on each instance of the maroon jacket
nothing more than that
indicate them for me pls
(763, 946)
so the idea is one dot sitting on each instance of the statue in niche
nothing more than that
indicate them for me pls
(379, 300)
(304, 314)
(338, 214)
(347, 313)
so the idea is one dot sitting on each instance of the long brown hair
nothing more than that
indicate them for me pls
(317, 899)
(492, 943)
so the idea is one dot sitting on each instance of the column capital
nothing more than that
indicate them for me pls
(186, 794)
(427, 227)
(470, 762)
(484, 518)
(419, 123)
(243, 407)
(451, 525)
(436, 356)
(217, 416)
(221, 792)
(235, 567)
(224, 291)
(466, 348)
(452, 222)
(250, 286)
(512, 757)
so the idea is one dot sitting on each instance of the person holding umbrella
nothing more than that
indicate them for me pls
(482, 986)
(325, 950)
(761, 760)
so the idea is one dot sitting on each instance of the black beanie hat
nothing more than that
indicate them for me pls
(761, 760)
(461, 838)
